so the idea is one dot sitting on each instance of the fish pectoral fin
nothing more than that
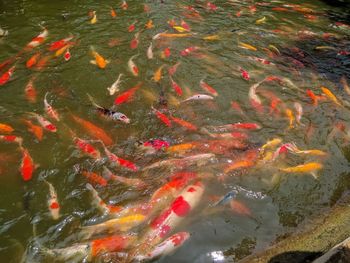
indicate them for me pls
(93, 62)
(314, 175)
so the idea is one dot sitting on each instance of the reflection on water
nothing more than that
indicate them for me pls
(264, 143)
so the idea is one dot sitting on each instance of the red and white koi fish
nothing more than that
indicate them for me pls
(185, 25)
(173, 68)
(199, 97)
(244, 74)
(253, 98)
(132, 66)
(30, 91)
(44, 122)
(124, 5)
(171, 217)
(132, 182)
(39, 39)
(299, 112)
(33, 60)
(119, 161)
(135, 41)
(67, 55)
(128, 95)
(115, 86)
(208, 88)
(131, 28)
(211, 6)
(162, 117)
(54, 206)
(60, 43)
(166, 247)
(4, 78)
(150, 51)
(27, 165)
(189, 50)
(176, 87)
(50, 110)
(152, 146)
(284, 148)
(11, 138)
(184, 123)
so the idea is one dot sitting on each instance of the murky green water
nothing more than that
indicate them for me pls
(288, 198)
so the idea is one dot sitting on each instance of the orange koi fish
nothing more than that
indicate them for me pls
(208, 88)
(99, 60)
(30, 91)
(132, 66)
(312, 96)
(33, 60)
(6, 128)
(95, 178)
(291, 118)
(149, 24)
(42, 62)
(311, 168)
(27, 165)
(181, 147)
(54, 206)
(175, 86)
(38, 40)
(6, 76)
(113, 13)
(162, 117)
(184, 123)
(93, 130)
(50, 110)
(127, 95)
(238, 165)
(35, 129)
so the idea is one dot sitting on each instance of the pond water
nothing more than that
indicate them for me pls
(280, 73)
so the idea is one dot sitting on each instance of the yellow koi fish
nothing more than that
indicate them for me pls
(158, 74)
(211, 37)
(311, 168)
(247, 46)
(330, 95)
(180, 147)
(94, 18)
(180, 29)
(260, 21)
(272, 143)
(311, 152)
(291, 118)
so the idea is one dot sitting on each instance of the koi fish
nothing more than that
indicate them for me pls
(67, 55)
(54, 206)
(131, 28)
(184, 123)
(313, 97)
(188, 51)
(99, 60)
(122, 224)
(35, 129)
(211, 37)
(158, 74)
(60, 51)
(244, 74)
(211, 6)
(109, 114)
(27, 165)
(87, 148)
(170, 35)
(119, 161)
(60, 43)
(50, 110)
(299, 110)
(247, 46)
(166, 53)
(166, 247)
(115, 86)
(44, 122)
(124, 5)
(132, 182)
(173, 68)
(95, 178)
(128, 95)
(155, 145)
(113, 13)
(93, 130)
(260, 21)
(181, 147)
(162, 117)
(39, 39)
(290, 116)
(33, 60)
(89, 251)
(30, 91)
(11, 138)
(344, 82)
(43, 62)
(135, 41)
(311, 168)
(235, 105)
(238, 165)
(180, 29)
(6, 128)
(94, 18)
(175, 86)
(253, 98)
(330, 95)
(132, 66)
(208, 88)
(271, 143)
(4, 78)
(149, 24)
(150, 51)
(199, 97)
(185, 25)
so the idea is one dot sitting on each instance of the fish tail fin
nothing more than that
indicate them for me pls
(93, 101)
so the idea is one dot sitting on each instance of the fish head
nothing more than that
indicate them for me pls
(118, 116)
